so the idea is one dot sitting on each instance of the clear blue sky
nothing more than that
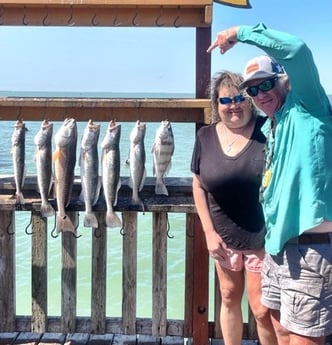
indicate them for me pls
(149, 60)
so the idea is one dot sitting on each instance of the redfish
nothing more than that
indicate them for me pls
(43, 156)
(64, 159)
(111, 172)
(89, 167)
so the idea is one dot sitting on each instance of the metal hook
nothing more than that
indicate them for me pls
(158, 18)
(45, 18)
(93, 20)
(2, 12)
(133, 21)
(54, 228)
(168, 228)
(24, 21)
(175, 23)
(27, 227)
(70, 20)
(7, 230)
(115, 23)
(97, 233)
(77, 225)
(122, 232)
(18, 118)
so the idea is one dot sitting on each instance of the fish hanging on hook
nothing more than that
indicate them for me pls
(18, 152)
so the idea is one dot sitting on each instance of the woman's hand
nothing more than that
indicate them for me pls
(217, 248)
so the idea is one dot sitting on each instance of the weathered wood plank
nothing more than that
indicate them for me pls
(101, 339)
(98, 277)
(52, 339)
(123, 110)
(200, 286)
(217, 306)
(39, 273)
(189, 276)
(120, 339)
(7, 271)
(179, 199)
(68, 279)
(28, 338)
(159, 275)
(8, 338)
(77, 339)
(129, 273)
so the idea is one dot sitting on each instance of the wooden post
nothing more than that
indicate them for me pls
(7, 271)
(189, 281)
(68, 279)
(129, 273)
(98, 276)
(201, 286)
(159, 275)
(39, 273)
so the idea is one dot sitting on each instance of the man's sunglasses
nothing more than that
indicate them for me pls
(264, 86)
(228, 100)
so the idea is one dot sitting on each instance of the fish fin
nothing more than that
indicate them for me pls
(97, 192)
(90, 220)
(20, 199)
(143, 180)
(160, 188)
(64, 224)
(168, 168)
(47, 210)
(116, 194)
(113, 220)
(130, 182)
(81, 196)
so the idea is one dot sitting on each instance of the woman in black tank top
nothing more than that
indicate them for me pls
(227, 166)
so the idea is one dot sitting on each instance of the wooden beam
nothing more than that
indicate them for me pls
(107, 13)
(123, 110)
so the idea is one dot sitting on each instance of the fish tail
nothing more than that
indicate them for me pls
(113, 220)
(136, 201)
(46, 209)
(20, 198)
(64, 224)
(160, 188)
(90, 220)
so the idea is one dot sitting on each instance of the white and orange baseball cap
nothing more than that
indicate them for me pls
(260, 67)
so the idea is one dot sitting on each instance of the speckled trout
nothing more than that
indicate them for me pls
(64, 159)
(111, 172)
(18, 152)
(162, 149)
(43, 157)
(89, 167)
(137, 162)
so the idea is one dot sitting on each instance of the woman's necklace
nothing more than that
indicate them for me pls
(229, 145)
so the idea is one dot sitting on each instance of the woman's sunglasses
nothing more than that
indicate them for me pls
(228, 100)
(264, 86)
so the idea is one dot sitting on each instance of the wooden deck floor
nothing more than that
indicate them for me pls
(91, 339)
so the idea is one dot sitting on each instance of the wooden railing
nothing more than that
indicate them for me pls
(195, 322)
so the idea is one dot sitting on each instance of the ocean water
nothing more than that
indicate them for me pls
(184, 135)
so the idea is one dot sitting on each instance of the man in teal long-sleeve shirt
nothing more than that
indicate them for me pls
(297, 181)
